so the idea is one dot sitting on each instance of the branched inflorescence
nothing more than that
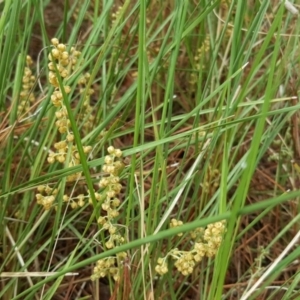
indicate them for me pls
(63, 63)
(86, 116)
(206, 243)
(61, 67)
(46, 196)
(110, 196)
(28, 80)
(109, 266)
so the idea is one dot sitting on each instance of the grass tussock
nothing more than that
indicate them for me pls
(149, 150)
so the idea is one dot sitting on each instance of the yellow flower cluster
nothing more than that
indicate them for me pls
(62, 149)
(46, 196)
(108, 266)
(112, 188)
(26, 95)
(62, 63)
(85, 114)
(110, 197)
(185, 262)
(176, 223)
(206, 243)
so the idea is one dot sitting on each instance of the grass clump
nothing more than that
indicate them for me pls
(149, 150)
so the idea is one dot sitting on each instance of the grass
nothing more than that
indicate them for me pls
(201, 97)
